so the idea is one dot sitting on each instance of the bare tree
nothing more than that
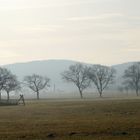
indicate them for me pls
(11, 84)
(3, 75)
(77, 74)
(36, 83)
(8, 81)
(132, 77)
(101, 76)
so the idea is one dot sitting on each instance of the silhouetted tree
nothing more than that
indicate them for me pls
(132, 77)
(36, 83)
(101, 76)
(3, 75)
(11, 84)
(8, 81)
(77, 74)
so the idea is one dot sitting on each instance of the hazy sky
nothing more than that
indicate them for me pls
(94, 31)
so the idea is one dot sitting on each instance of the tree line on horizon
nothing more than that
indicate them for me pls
(82, 76)
(101, 77)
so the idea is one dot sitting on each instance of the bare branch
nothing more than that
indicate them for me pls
(77, 74)
(36, 83)
(101, 76)
(132, 77)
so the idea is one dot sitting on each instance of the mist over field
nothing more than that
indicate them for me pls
(58, 87)
(69, 69)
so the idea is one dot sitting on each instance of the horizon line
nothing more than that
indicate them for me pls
(76, 61)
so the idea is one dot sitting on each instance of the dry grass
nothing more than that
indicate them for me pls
(71, 120)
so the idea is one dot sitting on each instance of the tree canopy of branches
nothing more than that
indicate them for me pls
(11, 84)
(36, 83)
(132, 77)
(77, 74)
(101, 76)
(8, 82)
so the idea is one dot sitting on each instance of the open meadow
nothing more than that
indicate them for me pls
(103, 119)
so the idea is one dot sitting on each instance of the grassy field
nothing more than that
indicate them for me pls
(71, 120)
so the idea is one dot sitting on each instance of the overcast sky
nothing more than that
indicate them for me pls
(94, 31)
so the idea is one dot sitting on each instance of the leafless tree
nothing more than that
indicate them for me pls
(36, 83)
(101, 76)
(11, 84)
(3, 74)
(132, 77)
(77, 74)
(8, 81)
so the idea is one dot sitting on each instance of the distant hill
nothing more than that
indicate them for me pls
(53, 69)
(49, 68)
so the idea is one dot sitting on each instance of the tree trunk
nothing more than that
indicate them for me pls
(100, 94)
(8, 97)
(81, 94)
(137, 92)
(0, 95)
(37, 95)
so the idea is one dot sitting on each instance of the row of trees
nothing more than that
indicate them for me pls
(101, 76)
(9, 83)
(82, 76)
